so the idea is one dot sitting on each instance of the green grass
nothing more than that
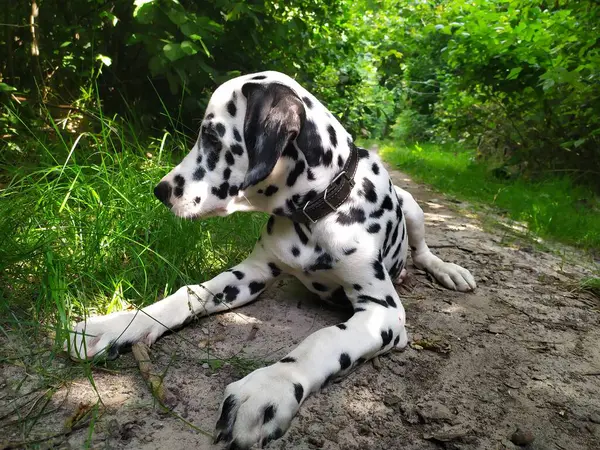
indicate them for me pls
(552, 207)
(82, 233)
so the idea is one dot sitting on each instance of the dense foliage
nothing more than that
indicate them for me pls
(519, 79)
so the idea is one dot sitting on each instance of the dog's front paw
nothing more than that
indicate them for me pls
(258, 408)
(453, 276)
(101, 336)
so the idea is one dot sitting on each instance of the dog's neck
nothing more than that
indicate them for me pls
(287, 188)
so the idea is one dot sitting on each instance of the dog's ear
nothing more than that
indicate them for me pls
(274, 117)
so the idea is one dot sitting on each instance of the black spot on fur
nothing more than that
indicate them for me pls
(199, 158)
(229, 159)
(345, 361)
(271, 189)
(295, 173)
(209, 116)
(396, 340)
(375, 168)
(386, 337)
(354, 215)
(349, 251)
(179, 180)
(362, 153)
(231, 108)
(197, 200)
(199, 173)
(339, 297)
(318, 248)
(357, 287)
(368, 190)
(238, 137)
(310, 175)
(368, 298)
(319, 287)
(359, 309)
(237, 149)
(327, 158)
(323, 262)
(378, 268)
(224, 418)
(377, 214)
(288, 359)
(387, 203)
(332, 135)
(233, 190)
(220, 129)
(231, 293)
(178, 191)
(226, 173)
(393, 240)
(295, 251)
(275, 271)
(258, 77)
(212, 160)
(269, 413)
(279, 211)
(270, 224)
(256, 286)
(221, 191)
(340, 161)
(301, 234)
(388, 230)
(374, 228)
(390, 301)
(398, 210)
(218, 298)
(238, 274)
(298, 392)
(341, 326)
(308, 102)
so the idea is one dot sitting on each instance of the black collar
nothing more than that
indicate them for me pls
(334, 195)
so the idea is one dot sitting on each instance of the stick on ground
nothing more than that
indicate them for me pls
(141, 353)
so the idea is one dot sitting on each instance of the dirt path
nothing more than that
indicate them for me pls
(521, 352)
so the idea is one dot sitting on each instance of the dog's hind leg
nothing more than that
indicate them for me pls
(103, 335)
(449, 275)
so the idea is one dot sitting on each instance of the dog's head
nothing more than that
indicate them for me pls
(248, 124)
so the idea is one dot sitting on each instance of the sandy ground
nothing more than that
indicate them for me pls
(522, 352)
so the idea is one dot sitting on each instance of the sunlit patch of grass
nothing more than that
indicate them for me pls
(552, 207)
(82, 234)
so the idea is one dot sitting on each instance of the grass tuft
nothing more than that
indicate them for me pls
(552, 207)
(82, 233)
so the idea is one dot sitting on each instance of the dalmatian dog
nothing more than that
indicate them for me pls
(337, 223)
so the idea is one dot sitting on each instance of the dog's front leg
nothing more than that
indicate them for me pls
(260, 407)
(103, 335)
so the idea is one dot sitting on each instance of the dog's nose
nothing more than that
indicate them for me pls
(163, 192)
